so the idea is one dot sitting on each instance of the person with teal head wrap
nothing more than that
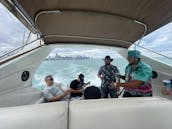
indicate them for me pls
(137, 77)
(134, 54)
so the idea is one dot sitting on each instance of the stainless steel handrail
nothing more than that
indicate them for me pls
(153, 51)
(145, 30)
(21, 47)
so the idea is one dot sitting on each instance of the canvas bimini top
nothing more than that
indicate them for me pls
(103, 22)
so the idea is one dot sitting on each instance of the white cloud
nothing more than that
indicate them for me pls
(160, 40)
(4, 47)
(11, 31)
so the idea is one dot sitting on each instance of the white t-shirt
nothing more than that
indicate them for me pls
(52, 91)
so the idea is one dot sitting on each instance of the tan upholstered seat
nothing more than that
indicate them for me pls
(20, 97)
(131, 113)
(38, 116)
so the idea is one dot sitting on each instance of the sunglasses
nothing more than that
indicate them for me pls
(51, 79)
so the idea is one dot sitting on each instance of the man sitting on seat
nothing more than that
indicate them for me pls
(77, 86)
(53, 91)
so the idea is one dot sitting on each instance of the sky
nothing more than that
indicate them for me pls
(11, 37)
(11, 31)
(159, 41)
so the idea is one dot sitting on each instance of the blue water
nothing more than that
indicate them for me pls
(64, 71)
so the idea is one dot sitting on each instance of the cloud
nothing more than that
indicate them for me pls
(160, 40)
(5, 47)
(11, 31)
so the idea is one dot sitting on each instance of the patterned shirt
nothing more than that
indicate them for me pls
(108, 75)
(52, 91)
(142, 72)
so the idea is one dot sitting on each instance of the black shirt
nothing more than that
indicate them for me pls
(76, 86)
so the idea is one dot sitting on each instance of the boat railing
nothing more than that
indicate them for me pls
(14, 51)
(39, 38)
(170, 58)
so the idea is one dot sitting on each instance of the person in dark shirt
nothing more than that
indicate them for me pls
(77, 86)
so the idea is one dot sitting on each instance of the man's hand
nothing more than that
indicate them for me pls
(100, 77)
(165, 92)
(116, 86)
(76, 91)
(57, 98)
(67, 92)
(113, 84)
(81, 90)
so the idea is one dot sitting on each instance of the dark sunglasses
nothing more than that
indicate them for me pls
(51, 79)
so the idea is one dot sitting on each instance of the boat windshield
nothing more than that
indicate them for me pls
(13, 34)
(157, 44)
(65, 64)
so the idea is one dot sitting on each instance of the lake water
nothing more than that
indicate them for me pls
(64, 71)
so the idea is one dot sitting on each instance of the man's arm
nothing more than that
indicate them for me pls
(122, 77)
(99, 76)
(76, 91)
(73, 88)
(131, 84)
(57, 98)
(80, 90)
(99, 73)
(60, 87)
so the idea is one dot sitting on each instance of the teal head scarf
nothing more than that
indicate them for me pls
(134, 54)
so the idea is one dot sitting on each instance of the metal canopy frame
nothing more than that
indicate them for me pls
(86, 37)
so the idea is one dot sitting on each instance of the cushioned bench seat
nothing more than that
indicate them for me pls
(20, 97)
(131, 113)
(37, 116)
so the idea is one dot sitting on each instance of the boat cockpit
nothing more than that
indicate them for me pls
(115, 25)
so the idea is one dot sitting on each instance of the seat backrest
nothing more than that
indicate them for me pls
(130, 113)
(38, 116)
(25, 96)
(135, 113)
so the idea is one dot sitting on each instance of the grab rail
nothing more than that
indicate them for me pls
(154, 52)
(17, 49)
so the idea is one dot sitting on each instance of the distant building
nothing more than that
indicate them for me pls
(58, 57)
